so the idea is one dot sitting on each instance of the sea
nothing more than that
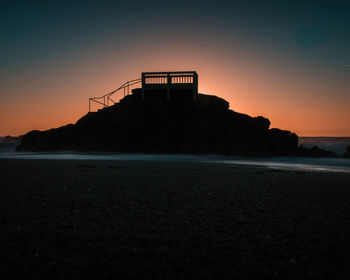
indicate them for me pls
(336, 144)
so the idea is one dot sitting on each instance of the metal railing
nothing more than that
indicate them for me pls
(178, 80)
(171, 79)
(106, 100)
(153, 80)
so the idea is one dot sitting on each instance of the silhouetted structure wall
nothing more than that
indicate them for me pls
(170, 82)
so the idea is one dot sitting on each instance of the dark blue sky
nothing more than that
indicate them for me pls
(32, 30)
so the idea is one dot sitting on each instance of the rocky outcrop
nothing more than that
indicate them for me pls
(315, 152)
(282, 142)
(159, 126)
(53, 139)
(347, 152)
(11, 139)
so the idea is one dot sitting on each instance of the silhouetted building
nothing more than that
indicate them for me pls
(173, 84)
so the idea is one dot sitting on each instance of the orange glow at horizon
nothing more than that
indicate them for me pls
(57, 92)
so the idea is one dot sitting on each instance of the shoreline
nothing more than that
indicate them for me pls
(293, 163)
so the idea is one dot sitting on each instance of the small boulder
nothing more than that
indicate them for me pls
(347, 152)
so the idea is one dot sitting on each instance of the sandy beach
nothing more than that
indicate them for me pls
(63, 219)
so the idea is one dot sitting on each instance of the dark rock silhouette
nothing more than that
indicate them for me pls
(159, 126)
(347, 152)
(282, 142)
(315, 152)
(11, 139)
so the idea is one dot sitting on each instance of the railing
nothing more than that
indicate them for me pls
(153, 80)
(106, 99)
(172, 79)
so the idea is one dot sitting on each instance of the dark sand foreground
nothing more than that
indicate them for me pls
(171, 220)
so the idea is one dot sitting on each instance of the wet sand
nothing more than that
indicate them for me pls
(171, 220)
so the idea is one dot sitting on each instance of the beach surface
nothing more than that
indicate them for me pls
(64, 219)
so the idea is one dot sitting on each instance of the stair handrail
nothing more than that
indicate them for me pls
(107, 97)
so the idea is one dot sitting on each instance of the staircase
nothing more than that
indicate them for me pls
(106, 100)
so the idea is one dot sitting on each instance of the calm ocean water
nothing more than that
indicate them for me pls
(284, 163)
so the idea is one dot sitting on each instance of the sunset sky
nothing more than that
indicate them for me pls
(286, 60)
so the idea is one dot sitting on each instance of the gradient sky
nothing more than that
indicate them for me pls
(286, 60)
